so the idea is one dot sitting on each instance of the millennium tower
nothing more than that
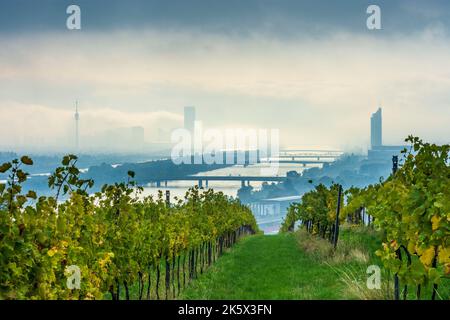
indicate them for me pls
(376, 129)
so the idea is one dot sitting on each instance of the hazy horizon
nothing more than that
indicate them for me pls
(312, 70)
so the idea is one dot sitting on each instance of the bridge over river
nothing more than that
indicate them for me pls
(206, 179)
(301, 157)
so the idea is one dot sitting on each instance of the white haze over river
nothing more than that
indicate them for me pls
(230, 188)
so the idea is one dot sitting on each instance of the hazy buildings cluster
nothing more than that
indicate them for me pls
(127, 138)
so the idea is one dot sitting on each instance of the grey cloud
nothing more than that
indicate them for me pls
(280, 18)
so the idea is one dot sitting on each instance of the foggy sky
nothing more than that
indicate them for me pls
(308, 68)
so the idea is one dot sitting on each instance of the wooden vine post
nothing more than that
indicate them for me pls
(336, 224)
(168, 198)
(398, 252)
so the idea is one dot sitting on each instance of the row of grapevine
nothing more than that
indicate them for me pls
(116, 238)
(316, 211)
(411, 208)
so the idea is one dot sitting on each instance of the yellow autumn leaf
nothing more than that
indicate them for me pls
(427, 257)
(394, 244)
(435, 222)
(89, 296)
(419, 250)
(52, 252)
(444, 255)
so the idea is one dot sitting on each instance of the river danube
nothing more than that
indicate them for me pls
(230, 188)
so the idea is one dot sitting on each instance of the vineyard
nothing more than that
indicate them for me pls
(116, 244)
(122, 245)
(411, 208)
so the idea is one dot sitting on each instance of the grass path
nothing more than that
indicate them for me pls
(266, 267)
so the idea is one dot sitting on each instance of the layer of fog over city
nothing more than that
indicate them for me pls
(314, 72)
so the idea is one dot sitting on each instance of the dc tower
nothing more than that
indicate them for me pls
(376, 129)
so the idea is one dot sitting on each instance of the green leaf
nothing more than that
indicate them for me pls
(438, 204)
(5, 167)
(22, 176)
(21, 200)
(26, 160)
(31, 194)
(74, 171)
(65, 161)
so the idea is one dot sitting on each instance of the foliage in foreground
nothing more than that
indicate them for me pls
(411, 208)
(114, 237)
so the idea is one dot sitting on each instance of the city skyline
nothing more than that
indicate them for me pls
(315, 77)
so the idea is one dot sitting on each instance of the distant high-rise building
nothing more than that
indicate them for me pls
(376, 129)
(379, 152)
(189, 118)
(77, 119)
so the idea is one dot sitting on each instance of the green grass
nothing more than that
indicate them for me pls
(295, 266)
(364, 238)
(267, 267)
